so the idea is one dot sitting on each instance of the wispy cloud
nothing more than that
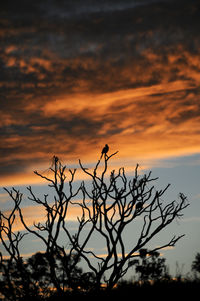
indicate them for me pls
(195, 219)
(34, 214)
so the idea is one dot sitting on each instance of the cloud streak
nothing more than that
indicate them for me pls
(34, 214)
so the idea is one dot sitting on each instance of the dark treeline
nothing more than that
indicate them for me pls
(31, 280)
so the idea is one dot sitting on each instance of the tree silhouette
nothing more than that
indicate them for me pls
(196, 263)
(151, 266)
(109, 204)
(115, 203)
(16, 282)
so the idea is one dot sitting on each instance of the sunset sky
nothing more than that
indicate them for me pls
(78, 74)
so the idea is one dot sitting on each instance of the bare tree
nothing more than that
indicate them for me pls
(110, 204)
(116, 202)
(49, 231)
(12, 267)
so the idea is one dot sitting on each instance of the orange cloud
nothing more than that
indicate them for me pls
(142, 118)
(142, 123)
(73, 92)
(23, 178)
(37, 214)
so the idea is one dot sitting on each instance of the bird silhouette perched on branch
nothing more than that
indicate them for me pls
(105, 150)
(139, 206)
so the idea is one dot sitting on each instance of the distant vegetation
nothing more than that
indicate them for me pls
(108, 204)
(153, 280)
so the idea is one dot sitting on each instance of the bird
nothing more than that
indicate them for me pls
(105, 150)
(55, 160)
(139, 206)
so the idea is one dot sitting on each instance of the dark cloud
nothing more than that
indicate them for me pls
(86, 48)
(55, 52)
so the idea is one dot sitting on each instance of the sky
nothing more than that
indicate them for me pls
(78, 74)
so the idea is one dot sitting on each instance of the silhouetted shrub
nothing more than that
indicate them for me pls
(151, 266)
(196, 264)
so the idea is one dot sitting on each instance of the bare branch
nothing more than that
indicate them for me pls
(117, 202)
(111, 203)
